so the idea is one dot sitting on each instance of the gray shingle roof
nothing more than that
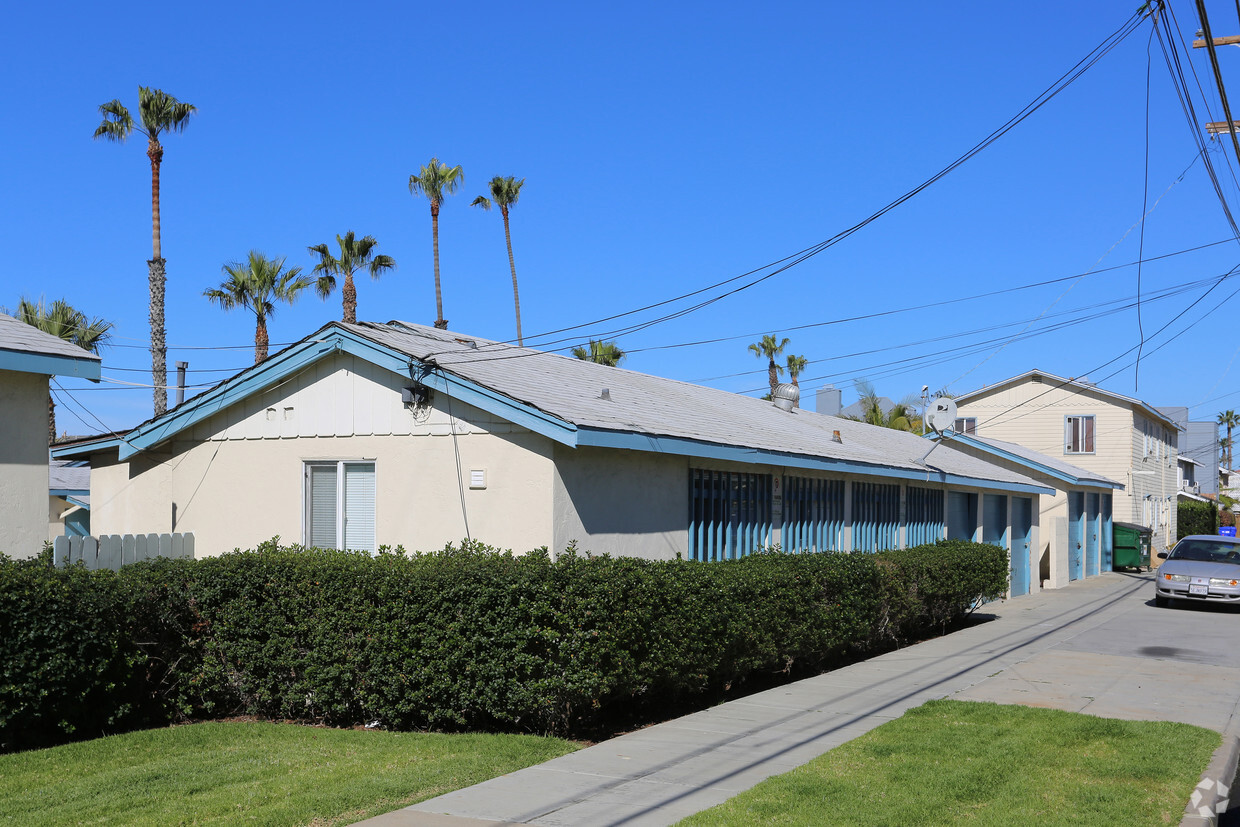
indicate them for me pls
(21, 337)
(570, 389)
(62, 476)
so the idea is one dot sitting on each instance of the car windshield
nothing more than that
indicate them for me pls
(1207, 552)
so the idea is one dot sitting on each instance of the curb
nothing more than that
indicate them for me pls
(1212, 790)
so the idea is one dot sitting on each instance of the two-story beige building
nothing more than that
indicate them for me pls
(1114, 436)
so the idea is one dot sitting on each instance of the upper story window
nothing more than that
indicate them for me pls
(965, 425)
(1078, 435)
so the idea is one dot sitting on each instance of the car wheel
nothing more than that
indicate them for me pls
(1161, 602)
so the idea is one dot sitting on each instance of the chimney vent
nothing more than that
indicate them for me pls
(835, 437)
(786, 396)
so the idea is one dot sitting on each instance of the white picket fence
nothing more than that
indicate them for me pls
(111, 551)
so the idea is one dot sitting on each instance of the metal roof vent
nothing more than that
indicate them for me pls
(786, 396)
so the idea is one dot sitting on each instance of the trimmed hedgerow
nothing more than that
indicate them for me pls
(67, 663)
(1196, 518)
(470, 638)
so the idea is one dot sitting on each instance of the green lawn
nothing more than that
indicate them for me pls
(956, 762)
(251, 773)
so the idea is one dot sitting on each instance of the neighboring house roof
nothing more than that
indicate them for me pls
(27, 349)
(1035, 460)
(1080, 385)
(68, 479)
(580, 403)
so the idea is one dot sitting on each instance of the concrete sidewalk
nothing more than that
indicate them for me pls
(1098, 646)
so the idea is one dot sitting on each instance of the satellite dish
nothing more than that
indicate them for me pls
(941, 415)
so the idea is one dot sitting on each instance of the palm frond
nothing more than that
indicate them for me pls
(117, 122)
(481, 201)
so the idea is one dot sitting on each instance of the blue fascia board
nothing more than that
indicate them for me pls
(82, 505)
(68, 492)
(1062, 476)
(300, 356)
(50, 364)
(754, 456)
(518, 413)
(85, 449)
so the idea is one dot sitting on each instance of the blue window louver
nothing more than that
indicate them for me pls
(813, 514)
(875, 516)
(729, 514)
(925, 515)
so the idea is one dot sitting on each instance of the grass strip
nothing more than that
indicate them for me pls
(252, 773)
(961, 762)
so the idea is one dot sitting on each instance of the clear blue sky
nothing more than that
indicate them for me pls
(665, 147)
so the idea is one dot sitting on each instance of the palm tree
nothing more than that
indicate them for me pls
(64, 322)
(1229, 419)
(796, 366)
(602, 353)
(158, 112)
(257, 284)
(436, 180)
(768, 349)
(902, 416)
(355, 254)
(505, 191)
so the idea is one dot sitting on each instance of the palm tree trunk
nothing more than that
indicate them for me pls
(157, 276)
(440, 321)
(512, 265)
(772, 376)
(349, 292)
(159, 348)
(260, 340)
(51, 419)
(1229, 448)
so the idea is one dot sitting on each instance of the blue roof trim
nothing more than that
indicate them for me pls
(48, 364)
(85, 506)
(68, 492)
(490, 401)
(300, 356)
(85, 449)
(706, 450)
(1062, 476)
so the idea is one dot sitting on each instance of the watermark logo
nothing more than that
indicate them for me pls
(1209, 798)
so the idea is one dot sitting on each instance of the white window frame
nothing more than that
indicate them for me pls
(968, 425)
(1067, 442)
(341, 510)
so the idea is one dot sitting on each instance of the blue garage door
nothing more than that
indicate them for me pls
(1076, 534)
(961, 515)
(1093, 535)
(1022, 529)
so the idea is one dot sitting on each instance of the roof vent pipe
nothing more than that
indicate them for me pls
(181, 368)
(786, 396)
(606, 394)
(835, 437)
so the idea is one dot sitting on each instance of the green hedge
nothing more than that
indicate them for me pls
(1196, 518)
(464, 638)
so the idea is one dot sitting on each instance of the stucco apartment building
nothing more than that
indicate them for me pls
(28, 360)
(1114, 436)
(366, 434)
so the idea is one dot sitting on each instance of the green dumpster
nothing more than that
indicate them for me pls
(1132, 546)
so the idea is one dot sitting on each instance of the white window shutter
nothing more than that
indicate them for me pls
(321, 522)
(359, 506)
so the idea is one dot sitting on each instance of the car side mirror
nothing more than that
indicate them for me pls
(1162, 555)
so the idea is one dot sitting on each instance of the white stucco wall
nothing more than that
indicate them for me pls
(622, 503)
(235, 479)
(23, 463)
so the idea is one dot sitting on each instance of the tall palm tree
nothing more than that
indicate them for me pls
(435, 180)
(768, 349)
(158, 112)
(505, 192)
(257, 284)
(1229, 419)
(64, 322)
(355, 254)
(796, 366)
(602, 353)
